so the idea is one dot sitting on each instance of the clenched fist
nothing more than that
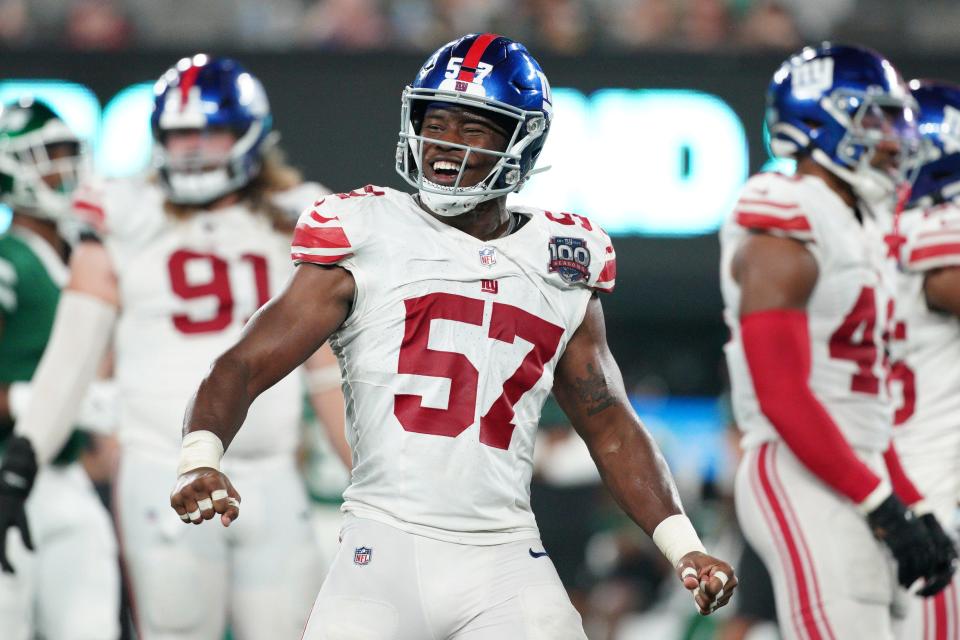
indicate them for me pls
(712, 581)
(203, 492)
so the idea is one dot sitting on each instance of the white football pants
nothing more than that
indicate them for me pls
(387, 584)
(260, 575)
(936, 473)
(69, 588)
(831, 578)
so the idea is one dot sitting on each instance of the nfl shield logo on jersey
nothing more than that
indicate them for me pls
(362, 555)
(570, 258)
(488, 256)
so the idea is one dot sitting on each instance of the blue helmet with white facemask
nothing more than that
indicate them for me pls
(939, 124)
(492, 75)
(838, 103)
(202, 93)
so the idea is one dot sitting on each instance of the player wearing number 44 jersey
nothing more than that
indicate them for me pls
(802, 277)
(926, 334)
(185, 259)
(452, 317)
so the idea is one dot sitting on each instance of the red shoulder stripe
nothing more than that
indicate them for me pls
(609, 271)
(308, 257)
(768, 203)
(934, 251)
(320, 237)
(763, 221)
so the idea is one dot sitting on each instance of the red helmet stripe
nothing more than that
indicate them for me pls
(470, 61)
(187, 80)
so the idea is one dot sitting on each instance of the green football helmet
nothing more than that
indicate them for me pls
(41, 160)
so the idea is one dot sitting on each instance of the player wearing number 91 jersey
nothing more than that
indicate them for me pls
(802, 267)
(452, 317)
(184, 259)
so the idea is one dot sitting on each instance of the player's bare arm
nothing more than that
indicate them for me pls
(589, 388)
(773, 273)
(278, 339)
(942, 289)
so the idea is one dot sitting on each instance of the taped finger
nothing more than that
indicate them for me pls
(218, 494)
(195, 516)
(184, 517)
(722, 577)
(233, 502)
(688, 572)
(205, 504)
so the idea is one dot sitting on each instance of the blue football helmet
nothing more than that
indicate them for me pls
(838, 103)
(498, 77)
(939, 124)
(201, 93)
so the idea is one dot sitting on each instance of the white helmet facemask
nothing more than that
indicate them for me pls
(875, 187)
(202, 178)
(454, 200)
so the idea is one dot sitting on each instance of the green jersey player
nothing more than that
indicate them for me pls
(69, 586)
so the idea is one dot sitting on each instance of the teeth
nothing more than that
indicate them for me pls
(443, 164)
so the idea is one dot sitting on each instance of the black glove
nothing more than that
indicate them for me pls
(906, 537)
(944, 557)
(17, 473)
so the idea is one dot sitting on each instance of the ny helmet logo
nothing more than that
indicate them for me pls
(812, 78)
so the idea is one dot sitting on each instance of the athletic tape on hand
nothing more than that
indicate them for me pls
(688, 571)
(204, 504)
(194, 515)
(722, 577)
(233, 502)
(218, 494)
(185, 517)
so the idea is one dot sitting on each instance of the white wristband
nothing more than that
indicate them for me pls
(877, 496)
(676, 537)
(200, 449)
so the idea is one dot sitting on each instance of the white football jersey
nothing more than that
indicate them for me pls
(847, 311)
(925, 350)
(187, 287)
(448, 355)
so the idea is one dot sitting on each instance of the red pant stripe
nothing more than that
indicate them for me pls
(806, 608)
(794, 523)
(771, 526)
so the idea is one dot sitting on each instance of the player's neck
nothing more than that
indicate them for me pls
(809, 167)
(487, 221)
(46, 229)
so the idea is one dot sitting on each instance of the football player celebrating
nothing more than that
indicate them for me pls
(926, 336)
(70, 586)
(452, 317)
(802, 259)
(185, 259)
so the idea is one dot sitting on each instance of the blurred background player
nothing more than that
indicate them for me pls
(926, 335)
(69, 587)
(186, 258)
(452, 317)
(801, 273)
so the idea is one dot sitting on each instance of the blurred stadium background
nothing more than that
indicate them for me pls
(658, 122)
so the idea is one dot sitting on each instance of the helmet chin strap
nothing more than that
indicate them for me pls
(870, 186)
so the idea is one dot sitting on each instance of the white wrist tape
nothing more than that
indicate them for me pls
(676, 537)
(878, 495)
(200, 449)
(81, 331)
